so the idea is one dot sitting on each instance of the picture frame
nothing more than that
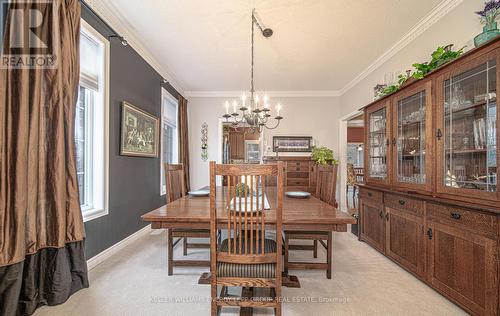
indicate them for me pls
(140, 132)
(292, 143)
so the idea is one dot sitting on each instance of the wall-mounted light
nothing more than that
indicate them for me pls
(121, 38)
(360, 147)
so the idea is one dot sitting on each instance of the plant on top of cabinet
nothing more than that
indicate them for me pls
(323, 155)
(488, 18)
(441, 56)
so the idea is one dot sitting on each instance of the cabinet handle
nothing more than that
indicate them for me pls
(455, 216)
(387, 216)
(439, 134)
(402, 202)
(381, 214)
(297, 169)
(429, 233)
(370, 194)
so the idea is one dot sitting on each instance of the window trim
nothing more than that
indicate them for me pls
(167, 95)
(96, 212)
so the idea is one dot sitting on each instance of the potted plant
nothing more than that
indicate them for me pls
(323, 155)
(488, 18)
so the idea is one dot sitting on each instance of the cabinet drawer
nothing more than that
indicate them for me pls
(372, 195)
(294, 175)
(297, 182)
(294, 164)
(404, 204)
(294, 168)
(462, 218)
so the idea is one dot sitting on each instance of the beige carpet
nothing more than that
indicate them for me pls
(135, 282)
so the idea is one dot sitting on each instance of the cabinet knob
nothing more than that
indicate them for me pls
(387, 216)
(455, 216)
(381, 214)
(439, 134)
(402, 202)
(369, 194)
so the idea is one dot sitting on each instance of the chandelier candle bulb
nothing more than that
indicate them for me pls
(278, 108)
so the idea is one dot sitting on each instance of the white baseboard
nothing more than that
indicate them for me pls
(101, 257)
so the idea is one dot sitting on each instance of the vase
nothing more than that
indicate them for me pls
(490, 31)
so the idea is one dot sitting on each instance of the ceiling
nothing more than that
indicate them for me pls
(317, 44)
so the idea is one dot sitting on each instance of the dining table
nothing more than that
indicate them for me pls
(298, 214)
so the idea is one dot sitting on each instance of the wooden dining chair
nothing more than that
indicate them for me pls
(326, 185)
(174, 176)
(247, 258)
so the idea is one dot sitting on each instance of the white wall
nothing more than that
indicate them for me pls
(320, 117)
(458, 27)
(311, 116)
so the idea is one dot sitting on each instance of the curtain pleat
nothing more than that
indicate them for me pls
(183, 140)
(41, 227)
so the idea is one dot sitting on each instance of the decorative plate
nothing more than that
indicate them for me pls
(298, 194)
(199, 193)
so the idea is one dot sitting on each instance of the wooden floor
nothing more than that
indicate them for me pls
(134, 282)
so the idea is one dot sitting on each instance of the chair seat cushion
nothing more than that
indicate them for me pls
(239, 270)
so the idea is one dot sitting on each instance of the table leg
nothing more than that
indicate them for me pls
(329, 256)
(170, 254)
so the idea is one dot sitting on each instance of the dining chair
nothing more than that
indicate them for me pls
(326, 185)
(351, 182)
(247, 258)
(174, 176)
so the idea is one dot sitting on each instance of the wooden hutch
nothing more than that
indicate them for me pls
(300, 172)
(431, 200)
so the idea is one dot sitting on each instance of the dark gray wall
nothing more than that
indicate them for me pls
(134, 182)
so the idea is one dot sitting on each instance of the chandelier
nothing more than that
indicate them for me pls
(258, 113)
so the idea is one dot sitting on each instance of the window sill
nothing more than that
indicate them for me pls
(91, 214)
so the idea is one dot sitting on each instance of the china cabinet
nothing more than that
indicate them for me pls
(412, 155)
(378, 145)
(466, 129)
(431, 201)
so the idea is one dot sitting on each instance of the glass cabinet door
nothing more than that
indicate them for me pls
(410, 135)
(470, 141)
(377, 144)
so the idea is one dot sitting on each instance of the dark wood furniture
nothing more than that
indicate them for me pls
(247, 258)
(300, 172)
(298, 214)
(237, 139)
(430, 201)
(174, 175)
(325, 191)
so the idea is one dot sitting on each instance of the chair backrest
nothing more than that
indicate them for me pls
(326, 183)
(351, 174)
(244, 214)
(174, 178)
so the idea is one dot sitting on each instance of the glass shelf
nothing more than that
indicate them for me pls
(470, 113)
(411, 139)
(377, 149)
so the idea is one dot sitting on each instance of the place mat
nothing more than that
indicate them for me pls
(251, 200)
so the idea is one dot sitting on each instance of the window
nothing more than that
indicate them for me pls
(355, 154)
(91, 124)
(169, 135)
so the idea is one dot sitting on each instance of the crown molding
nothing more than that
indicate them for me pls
(425, 23)
(108, 13)
(283, 94)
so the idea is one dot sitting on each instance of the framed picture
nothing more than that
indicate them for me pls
(292, 143)
(139, 132)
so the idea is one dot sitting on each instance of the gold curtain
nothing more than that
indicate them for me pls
(183, 140)
(41, 226)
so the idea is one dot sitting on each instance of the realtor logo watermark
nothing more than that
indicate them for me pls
(31, 34)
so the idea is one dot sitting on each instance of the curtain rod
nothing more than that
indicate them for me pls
(87, 6)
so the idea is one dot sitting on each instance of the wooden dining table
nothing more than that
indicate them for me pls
(306, 214)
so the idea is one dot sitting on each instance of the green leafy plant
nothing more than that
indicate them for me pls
(242, 189)
(441, 56)
(323, 155)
